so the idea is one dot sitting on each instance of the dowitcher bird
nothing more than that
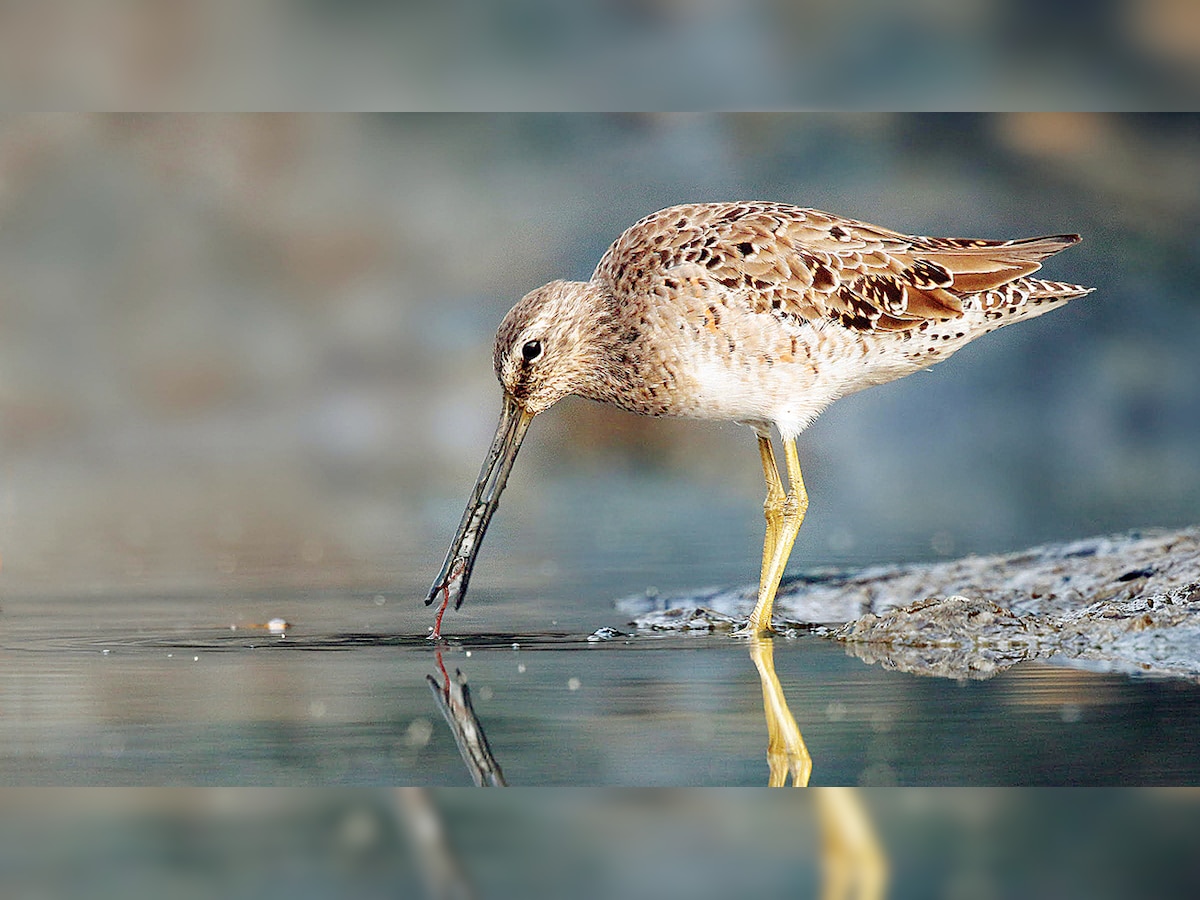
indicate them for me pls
(761, 313)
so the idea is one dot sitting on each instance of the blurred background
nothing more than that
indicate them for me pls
(959, 843)
(599, 54)
(255, 350)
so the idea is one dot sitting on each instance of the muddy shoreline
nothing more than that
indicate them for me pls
(1125, 603)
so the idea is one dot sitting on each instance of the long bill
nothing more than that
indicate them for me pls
(460, 558)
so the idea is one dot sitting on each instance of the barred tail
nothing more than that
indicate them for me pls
(1023, 293)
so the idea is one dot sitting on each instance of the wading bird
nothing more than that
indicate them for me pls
(760, 313)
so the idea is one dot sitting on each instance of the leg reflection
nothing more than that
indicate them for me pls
(786, 751)
(853, 863)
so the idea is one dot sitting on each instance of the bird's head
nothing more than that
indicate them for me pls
(544, 345)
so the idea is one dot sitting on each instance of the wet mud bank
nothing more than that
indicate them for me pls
(1125, 603)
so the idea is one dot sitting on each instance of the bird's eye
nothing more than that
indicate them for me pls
(531, 351)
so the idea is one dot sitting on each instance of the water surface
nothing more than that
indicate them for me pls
(162, 690)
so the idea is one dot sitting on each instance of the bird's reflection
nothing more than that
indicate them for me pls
(853, 863)
(453, 698)
(440, 865)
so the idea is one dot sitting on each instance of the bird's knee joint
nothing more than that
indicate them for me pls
(774, 505)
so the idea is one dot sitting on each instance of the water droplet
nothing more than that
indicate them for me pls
(418, 733)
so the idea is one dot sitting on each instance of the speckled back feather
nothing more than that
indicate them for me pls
(811, 265)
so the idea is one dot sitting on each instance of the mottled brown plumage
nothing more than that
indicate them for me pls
(757, 312)
(812, 265)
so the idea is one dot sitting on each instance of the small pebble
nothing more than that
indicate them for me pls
(604, 634)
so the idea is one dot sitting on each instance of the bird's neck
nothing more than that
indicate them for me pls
(608, 349)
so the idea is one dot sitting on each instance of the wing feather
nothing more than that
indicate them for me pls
(812, 265)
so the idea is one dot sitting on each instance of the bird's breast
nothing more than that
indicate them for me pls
(710, 360)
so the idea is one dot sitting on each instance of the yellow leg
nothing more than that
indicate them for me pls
(786, 750)
(784, 514)
(853, 863)
(772, 506)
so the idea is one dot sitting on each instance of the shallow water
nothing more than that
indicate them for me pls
(162, 690)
